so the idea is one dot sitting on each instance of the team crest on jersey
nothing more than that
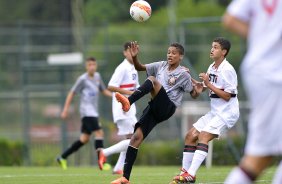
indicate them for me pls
(172, 80)
(134, 76)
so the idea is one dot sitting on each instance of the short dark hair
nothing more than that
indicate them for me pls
(90, 59)
(126, 45)
(179, 47)
(224, 43)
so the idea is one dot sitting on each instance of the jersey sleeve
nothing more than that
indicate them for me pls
(152, 68)
(78, 85)
(116, 78)
(102, 85)
(187, 84)
(230, 81)
(240, 9)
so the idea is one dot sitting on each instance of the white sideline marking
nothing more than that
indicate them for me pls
(41, 175)
(258, 181)
(72, 175)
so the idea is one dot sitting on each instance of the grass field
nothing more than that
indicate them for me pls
(91, 175)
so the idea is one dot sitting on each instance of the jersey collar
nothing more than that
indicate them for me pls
(220, 66)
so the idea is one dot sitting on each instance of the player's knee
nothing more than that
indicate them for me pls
(136, 138)
(191, 136)
(152, 79)
(205, 137)
(84, 139)
(99, 133)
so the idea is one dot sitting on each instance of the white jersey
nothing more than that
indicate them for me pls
(263, 58)
(126, 77)
(261, 72)
(224, 78)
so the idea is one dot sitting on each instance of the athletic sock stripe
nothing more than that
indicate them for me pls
(203, 147)
(201, 144)
(189, 148)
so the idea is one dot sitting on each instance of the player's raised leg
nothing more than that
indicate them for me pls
(116, 148)
(150, 85)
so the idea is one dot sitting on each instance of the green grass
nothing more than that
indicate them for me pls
(91, 175)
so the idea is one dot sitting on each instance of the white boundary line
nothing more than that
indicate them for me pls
(258, 181)
(74, 175)
(41, 175)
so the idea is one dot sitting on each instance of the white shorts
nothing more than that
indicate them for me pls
(126, 126)
(265, 120)
(211, 123)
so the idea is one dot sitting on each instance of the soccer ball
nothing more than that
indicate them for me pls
(140, 10)
(106, 166)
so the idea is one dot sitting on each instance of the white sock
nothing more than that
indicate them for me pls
(120, 162)
(198, 158)
(187, 160)
(237, 176)
(278, 175)
(117, 148)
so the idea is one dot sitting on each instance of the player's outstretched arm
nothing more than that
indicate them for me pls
(107, 93)
(134, 50)
(197, 90)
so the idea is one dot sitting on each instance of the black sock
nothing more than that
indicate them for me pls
(146, 87)
(130, 158)
(99, 143)
(74, 147)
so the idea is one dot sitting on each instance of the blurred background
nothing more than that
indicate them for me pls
(32, 91)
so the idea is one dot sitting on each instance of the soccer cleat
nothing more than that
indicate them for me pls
(118, 172)
(124, 101)
(102, 159)
(62, 162)
(121, 180)
(184, 177)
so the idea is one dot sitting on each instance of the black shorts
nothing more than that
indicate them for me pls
(90, 124)
(159, 109)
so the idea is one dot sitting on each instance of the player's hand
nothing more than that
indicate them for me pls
(64, 115)
(198, 87)
(134, 49)
(204, 77)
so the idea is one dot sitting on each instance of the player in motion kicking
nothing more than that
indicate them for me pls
(167, 82)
